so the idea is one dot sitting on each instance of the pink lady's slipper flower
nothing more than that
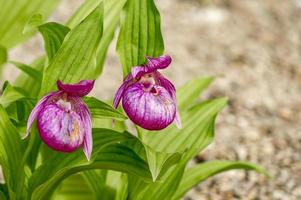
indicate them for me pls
(63, 119)
(148, 98)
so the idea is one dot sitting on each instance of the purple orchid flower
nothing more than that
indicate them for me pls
(63, 119)
(148, 98)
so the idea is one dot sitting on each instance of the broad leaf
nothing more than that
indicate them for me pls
(74, 187)
(53, 35)
(201, 172)
(14, 15)
(159, 162)
(116, 186)
(3, 55)
(171, 179)
(108, 153)
(101, 110)
(112, 10)
(74, 60)
(3, 58)
(32, 72)
(115, 157)
(11, 156)
(10, 95)
(82, 12)
(189, 92)
(196, 134)
(140, 34)
(33, 22)
(194, 121)
(29, 84)
(97, 182)
(2, 196)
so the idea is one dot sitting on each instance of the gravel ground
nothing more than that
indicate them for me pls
(253, 48)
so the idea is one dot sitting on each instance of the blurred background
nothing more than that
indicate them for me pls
(253, 49)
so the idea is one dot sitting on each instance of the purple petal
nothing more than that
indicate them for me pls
(80, 89)
(164, 82)
(152, 65)
(81, 108)
(160, 62)
(61, 130)
(88, 141)
(121, 90)
(35, 111)
(152, 110)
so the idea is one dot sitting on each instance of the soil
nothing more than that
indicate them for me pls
(253, 48)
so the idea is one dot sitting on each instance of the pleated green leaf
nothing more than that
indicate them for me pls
(196, 134)
(170, 181)
(140, 34)
(30, 85)
(112, 11)
(74, 187)
(3, 58)
(173, 139)
(75, 60)
(201, 172)
(3, 55)
(32, 72)
(189, 92)
(97, 182)
(10, 95)
(33, 22)
(159, 162)
(15, 14)
(2, 196)
(108, 153)
(82, 12)
(53, 35)
(11, 151)
(100, 109)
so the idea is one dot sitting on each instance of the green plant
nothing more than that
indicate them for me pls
(151, 165)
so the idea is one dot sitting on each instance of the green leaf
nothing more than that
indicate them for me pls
(101, 110)
(74, 60)
(189, 92)
(168, 142)
(201, 172)
(11, 151)
(112, 11)
(196, 134)
(3, 58)
(140, 34)
(3, 55)
(14, 15)
(74, 187)
(53, 35)
(33, 73)
(27, 82)
(115, 157)
(2, 196)
(159, 162)
(97, 182)
(116, 186)
(121, 190)
(108, 153)
(82, 12)
(33, 22)
(11, 94)
(194, 121)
